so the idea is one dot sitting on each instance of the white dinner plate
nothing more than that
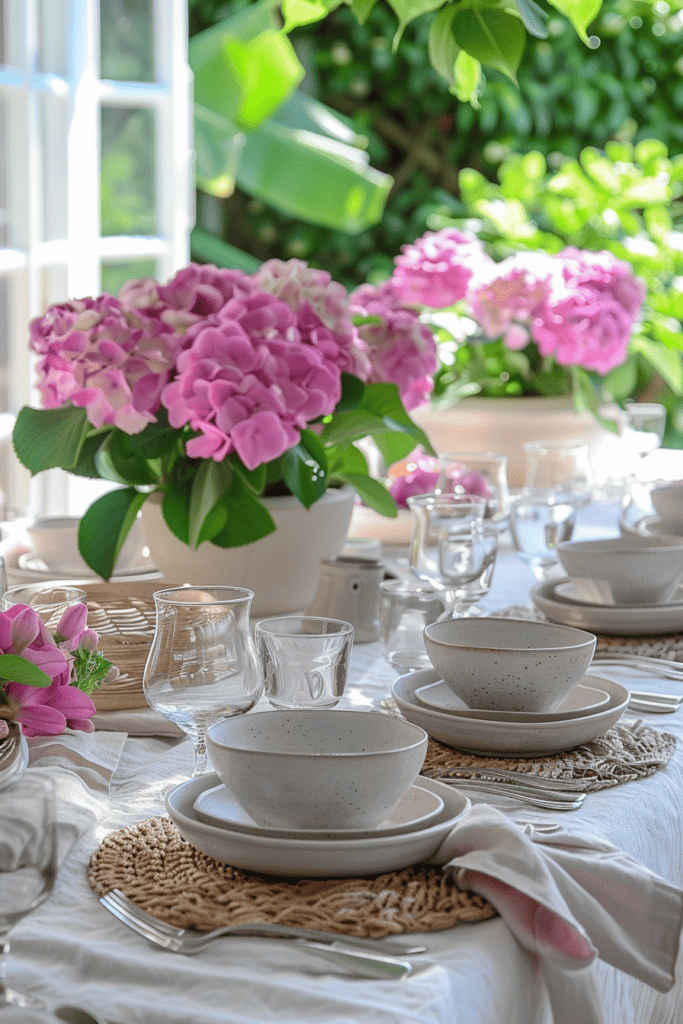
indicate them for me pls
(617, 620)
(528, 739)
(416, 810)
(31, 565)
(582, 700)
(597, 593)
(312, 858)
(652, 526)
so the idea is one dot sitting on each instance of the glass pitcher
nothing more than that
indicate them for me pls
(202, 666)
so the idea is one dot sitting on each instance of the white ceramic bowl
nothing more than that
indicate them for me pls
(668, 503)
(55, 541)
(319, 769)
(638, 570)
(509, 664)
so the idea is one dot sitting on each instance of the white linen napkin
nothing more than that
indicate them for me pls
(569, 899)
(137, 722)
(82, 765)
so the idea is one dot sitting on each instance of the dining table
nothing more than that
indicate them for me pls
(70, 950)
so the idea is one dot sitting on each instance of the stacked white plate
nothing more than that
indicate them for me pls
(573, 604)
(590, 709)
(32, 569)
(208, 817)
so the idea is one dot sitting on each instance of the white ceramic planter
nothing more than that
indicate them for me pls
(282, 569)
(504, 424)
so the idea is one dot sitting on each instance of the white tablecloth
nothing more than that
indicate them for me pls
(71, 950)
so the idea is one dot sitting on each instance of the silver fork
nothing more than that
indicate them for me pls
(542, 781)
(550, 799)
(657, 666)
(366, 962)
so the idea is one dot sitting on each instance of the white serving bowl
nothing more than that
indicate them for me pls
(509, 664)
(638, 570)
(319, 769)
(668, 504)
(55, 541)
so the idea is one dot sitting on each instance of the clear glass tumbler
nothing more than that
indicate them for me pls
(562, 467)
(202, 665)
(49, 600)
(539, 521)
(479, 473)
(405, 607)
(434, 517)
(304, 659)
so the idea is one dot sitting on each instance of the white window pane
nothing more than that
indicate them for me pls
(53, 25)
(128, 171)
(115, 274)
(3, 174)
(53, 286)
(4, 359)
(53, 114)
(127, 43)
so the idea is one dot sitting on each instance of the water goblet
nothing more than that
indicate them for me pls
(642, 425)
(468, 562)
(480, 473)
(202, 665)
(539, 521)
(28, 864)
(304, 659)
(49, 600)
(559, 466)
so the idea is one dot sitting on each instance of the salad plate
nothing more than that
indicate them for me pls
(652, 526)
(312, 858)
(33, 568)
(596, 592)
(582, 700)
(485, 736)
(418, 808)
(616, 620)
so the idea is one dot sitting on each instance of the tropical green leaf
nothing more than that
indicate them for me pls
(218, 145)
(117, 460)
(441, 43)
(353, 390)
(105, 526)
(50, 438)
(303, 12)
(304, 468)
(384, 400)
(580, 12)
(347, 459)
(210, 249)
(351, 426)
(362, 9)
(373, 493)
(491, 36)
(247, 519)
(210, 482)
(15, 669)
(407, 10)
(468, 77)
(534, 18)
(86, 465)
(175, 508)
(667, 362)
(255, 478)
(302, 111)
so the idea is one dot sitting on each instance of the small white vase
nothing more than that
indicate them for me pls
(282, 569)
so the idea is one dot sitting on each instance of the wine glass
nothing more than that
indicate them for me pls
(562, 467)
(642, 425)
(28, 863)
(202, 665)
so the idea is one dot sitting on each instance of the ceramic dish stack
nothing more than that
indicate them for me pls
(316, 794)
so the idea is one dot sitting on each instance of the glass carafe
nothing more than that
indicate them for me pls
(202, 666)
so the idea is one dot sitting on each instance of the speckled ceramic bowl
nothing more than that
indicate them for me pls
(509, 664)
(637, 570)
(668, 502)
(317, 769)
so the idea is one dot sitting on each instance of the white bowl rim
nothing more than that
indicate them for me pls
(317, 713)
(609, 546)
(590, 638)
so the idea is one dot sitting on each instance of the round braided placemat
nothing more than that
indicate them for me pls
(176, 883)
(607, 761)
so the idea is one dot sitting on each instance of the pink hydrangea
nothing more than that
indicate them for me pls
(589, 319)
(401, 350)
(422, 477)
(196, 292)
(436, 269)
(247, 383)
(321, 309)
(93, 355)
(49, 710)
(506, 298)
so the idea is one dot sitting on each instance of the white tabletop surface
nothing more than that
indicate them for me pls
(71, 950)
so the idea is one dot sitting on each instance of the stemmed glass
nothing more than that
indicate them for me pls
(28, 864)
(642, 425)
(202, 666)
(479, 473)
(560, 467)
(539, 521)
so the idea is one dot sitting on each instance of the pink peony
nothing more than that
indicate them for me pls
(321, 310)
(436, 269)
(401, 350)
(589, 319)
(94, 356)
(250, 391)
(507, 297)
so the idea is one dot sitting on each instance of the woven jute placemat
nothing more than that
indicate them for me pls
(607, 761)
(176, 883)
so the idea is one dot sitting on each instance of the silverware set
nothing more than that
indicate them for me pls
(645, 701)
(365, 957)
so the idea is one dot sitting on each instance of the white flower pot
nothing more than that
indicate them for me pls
(504, 424)
(282, 569)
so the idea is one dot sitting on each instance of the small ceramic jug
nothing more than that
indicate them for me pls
(348, 589)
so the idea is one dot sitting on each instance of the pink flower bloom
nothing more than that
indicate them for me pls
(4, 729)
(94, 354)
(321, 310)
(72, 621)
(505, 298)
(250, 390)
(468, 481)
(401, 350)
(436, 269)
(589, 319)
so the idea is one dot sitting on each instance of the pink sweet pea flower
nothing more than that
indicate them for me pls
(436, 269)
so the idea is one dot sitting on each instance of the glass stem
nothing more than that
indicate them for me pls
(199, 753)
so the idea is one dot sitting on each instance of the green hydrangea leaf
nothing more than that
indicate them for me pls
(207, 516)
(491, 36)
(304, 469)
(15, 669)
(50, 438)
(247, 518)
(105, 526)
